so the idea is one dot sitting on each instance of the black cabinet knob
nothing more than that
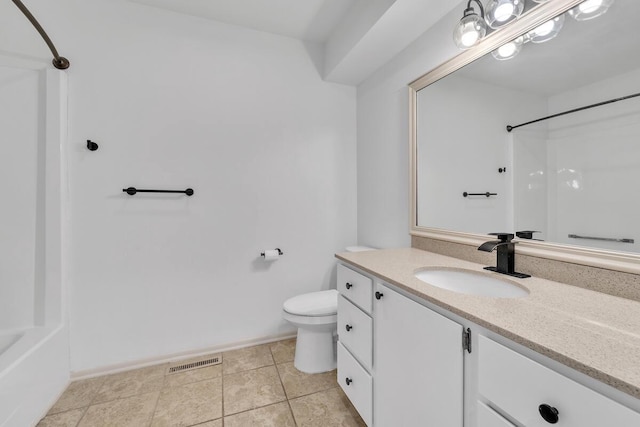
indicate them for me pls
(348, 327)
(348, 381)
(549, 413)
(349, 285)
(379, 295)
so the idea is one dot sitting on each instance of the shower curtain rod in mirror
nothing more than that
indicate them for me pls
(575, 110)
(60, 62)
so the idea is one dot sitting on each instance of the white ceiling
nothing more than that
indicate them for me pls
(351, 38)
(308, 20)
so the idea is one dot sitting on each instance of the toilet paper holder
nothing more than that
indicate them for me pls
(280, 253)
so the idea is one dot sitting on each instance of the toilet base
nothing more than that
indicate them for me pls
(315, 350)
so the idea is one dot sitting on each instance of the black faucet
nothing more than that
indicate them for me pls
(506, 254)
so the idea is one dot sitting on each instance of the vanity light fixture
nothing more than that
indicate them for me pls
(546, 31)
(509, 50)
(501, 12)
(471, 28)
(590, 9)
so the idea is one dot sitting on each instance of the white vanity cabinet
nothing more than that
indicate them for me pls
(528, 392)
(400, 363)
(418, 364)
(355, 340)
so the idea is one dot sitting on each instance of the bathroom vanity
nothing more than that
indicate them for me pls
(410, 353)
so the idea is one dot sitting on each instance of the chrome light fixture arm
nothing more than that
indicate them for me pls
(60, 62)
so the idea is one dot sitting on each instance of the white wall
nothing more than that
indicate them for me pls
(383, 136)
(240, 116)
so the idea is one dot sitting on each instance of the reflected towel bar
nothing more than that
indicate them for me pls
(487, 194)
(132, 190)
(575, 110)
(602, 239)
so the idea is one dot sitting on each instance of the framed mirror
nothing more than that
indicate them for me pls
(567, 167)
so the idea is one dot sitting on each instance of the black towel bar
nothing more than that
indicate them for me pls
(132, 190)
(487, 194)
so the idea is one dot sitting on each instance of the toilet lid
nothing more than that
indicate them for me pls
(323, 303)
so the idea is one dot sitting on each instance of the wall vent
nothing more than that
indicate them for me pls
(195, 365)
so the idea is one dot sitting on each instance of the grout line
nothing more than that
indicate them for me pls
(295, 423)
(83, 414)
(222, 389)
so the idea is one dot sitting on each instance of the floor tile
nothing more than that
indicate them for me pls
(130, 383)
(189, 404)
(245, 359)
(79, 394)
(298, 383)
(278, 415)
(192, 376)
(325, 409)
(252, 389)
(63, 419)
(135, 411)
(283, 351)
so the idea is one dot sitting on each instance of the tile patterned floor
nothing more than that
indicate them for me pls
(254, 386)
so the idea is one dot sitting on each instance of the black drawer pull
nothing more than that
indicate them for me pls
(549, 413)
(348, 381)
(348, 327)
(349, 285)
(379, 295)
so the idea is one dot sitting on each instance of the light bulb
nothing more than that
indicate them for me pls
(546, 31)
(469, 31)
(590, 9)
(590, 6)
(470, 38)
(503, 12)
(508, 50)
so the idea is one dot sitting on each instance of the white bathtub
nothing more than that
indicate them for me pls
(34, 369)
(34, 360)
(7, 339)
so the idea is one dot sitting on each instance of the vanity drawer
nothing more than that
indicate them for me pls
(487, 417)
(355, 331)
(356, 383)
(518, 385)
(356, 287)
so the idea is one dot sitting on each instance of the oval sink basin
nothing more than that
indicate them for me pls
(472, 283)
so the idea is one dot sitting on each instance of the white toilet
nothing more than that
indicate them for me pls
(315, 315)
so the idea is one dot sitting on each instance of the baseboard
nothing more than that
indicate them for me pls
(142, 363)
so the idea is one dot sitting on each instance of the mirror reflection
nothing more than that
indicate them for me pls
(572, 177)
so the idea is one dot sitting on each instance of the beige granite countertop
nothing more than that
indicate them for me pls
(594, 333)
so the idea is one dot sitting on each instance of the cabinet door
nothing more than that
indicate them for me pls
(418, 364)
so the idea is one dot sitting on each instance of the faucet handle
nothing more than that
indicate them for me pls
(526, 234)
(503, 237)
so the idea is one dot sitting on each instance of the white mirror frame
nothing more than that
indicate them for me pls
(612, 260)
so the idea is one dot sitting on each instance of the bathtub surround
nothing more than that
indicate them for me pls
(34, 358)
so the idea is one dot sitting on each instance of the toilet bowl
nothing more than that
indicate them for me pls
(315, 315)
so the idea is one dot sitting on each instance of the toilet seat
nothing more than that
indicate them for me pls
(314, 304)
